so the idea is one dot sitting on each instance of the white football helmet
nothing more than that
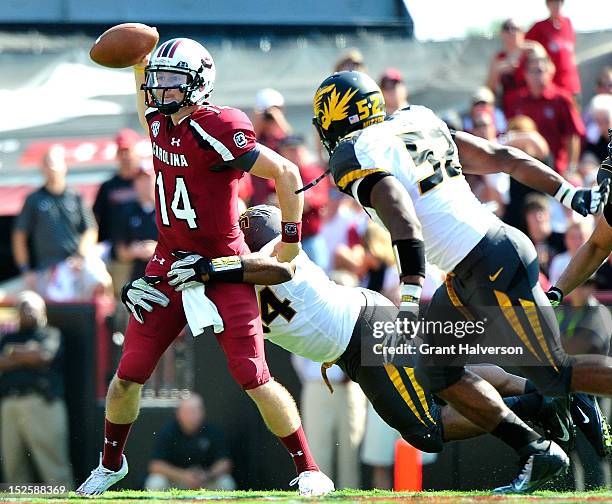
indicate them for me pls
(182, 64)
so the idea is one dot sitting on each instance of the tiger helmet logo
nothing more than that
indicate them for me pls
(330, 106)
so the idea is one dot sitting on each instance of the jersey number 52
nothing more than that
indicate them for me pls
(180, 206)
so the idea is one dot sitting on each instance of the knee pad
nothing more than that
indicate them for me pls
(248, 373)
(429, 441)
(136, 367)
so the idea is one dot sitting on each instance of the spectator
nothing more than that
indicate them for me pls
(394, 90)
(113, 196)
(271, 126)
(522, 134)
(495, 188)
(553, 111)
(483, 102)
(315, 199)
(604, 81)
(600, 112)
(137, 235)
(557, 36)
(336, 435)
(575, 236)
(507, 69)
(344, 224)
(351, 60)
(537, 217)
(33, 416)
(61, 263)
(189, 453)
(378, 449)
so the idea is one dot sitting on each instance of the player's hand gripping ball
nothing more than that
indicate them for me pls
(124, 45)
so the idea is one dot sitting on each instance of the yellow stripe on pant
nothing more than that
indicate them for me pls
(452, 294)
(534, 321)
(512, 318)
(419, 391)
(397, 381)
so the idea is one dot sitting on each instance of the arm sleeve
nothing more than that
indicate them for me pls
(25, 219)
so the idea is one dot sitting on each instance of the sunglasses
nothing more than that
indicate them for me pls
(511, 29)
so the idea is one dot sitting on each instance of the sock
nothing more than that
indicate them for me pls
(115, 436)
(297, 446)
(513, 431)
(525, 406)
(530, 387)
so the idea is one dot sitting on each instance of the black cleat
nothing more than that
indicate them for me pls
(538, 469)
(555, 419)
(592, 422)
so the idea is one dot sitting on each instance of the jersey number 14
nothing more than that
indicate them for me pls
(180, 206)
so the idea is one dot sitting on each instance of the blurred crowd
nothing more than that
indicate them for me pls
(66, 251)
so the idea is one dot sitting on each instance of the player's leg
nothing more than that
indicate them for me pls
(479, 402)
(243, 344)
(144, 345)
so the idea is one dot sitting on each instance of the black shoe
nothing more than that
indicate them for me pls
(555, 419)
(538, 469)
(592, 422)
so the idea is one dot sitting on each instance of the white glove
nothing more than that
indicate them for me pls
(135, 294)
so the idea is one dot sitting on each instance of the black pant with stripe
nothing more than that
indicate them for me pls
(497, 284)
(393, 390)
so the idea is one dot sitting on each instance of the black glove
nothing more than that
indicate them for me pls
(135, 294)
(555, 296)
(188, 270)
(591, 200)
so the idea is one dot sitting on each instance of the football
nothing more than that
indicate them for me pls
(124, 45)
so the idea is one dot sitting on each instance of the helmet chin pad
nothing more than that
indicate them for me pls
(169, 108)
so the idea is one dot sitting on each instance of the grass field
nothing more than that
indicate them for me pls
(358, 496)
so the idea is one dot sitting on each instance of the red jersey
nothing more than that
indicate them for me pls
(198, 164)
(559, 40)
(555, 115)
(512, 81)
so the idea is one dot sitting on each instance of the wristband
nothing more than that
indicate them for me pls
(410, 295)
(23, 268)
(291, 232)
(557, 293)
(565, 194)
(410, 257)
(226, 269)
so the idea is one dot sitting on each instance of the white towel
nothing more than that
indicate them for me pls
(200, 311)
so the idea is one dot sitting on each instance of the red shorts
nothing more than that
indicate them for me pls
(241, 340)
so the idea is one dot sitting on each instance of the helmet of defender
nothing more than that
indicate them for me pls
(346, 102)
(182, 64)
(260, 225)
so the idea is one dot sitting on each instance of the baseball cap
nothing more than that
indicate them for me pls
(127, 138)
(483, 95)
(268, 97)
(391, 75)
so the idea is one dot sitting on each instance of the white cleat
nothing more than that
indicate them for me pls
(313, 483)
(101, 478)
